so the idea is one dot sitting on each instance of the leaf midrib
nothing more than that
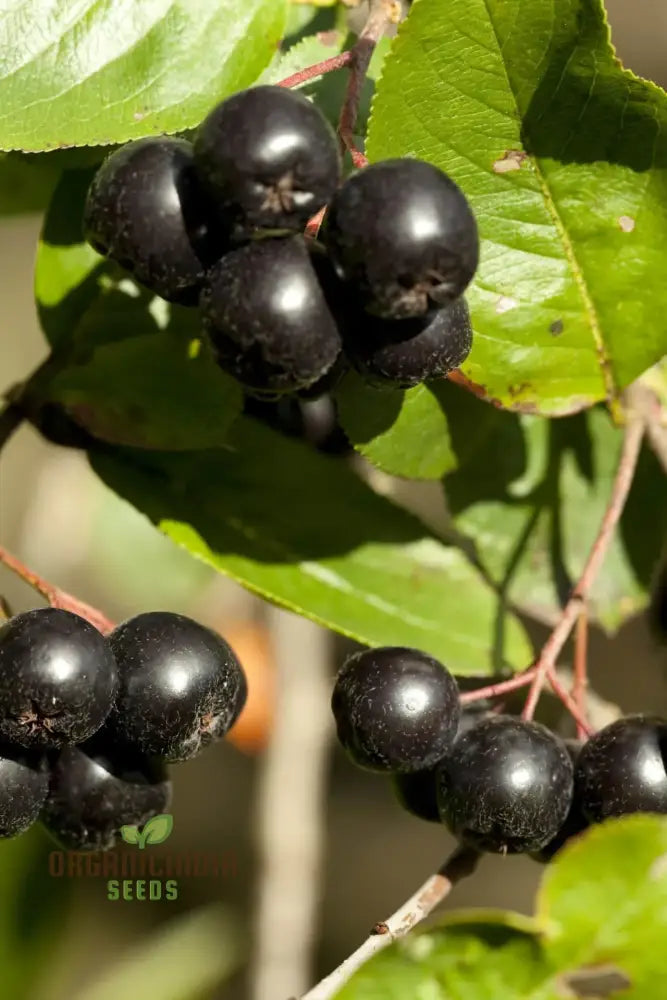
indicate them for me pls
(604, 359)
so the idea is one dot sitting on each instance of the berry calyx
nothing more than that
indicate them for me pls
(24, 782)
(622, 769)
(505, 786)
(181, 686)
(409, 351)
(403, 235)
(97, 788)
(268, 157)
(396, 709)
(266, 313)
(146, 210)
(58, 679)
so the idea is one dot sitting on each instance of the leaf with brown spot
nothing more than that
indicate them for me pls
(563, 155)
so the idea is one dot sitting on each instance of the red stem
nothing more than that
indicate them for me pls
(580, 681)
(632, 442)
(502, 687)
(318, 69)
(56, 597)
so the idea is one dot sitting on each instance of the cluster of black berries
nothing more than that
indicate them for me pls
(88, 723)
(219, 223)
(499, 783)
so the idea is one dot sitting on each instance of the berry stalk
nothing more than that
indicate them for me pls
(318, 69)
(56, 597)
(380, 14)
(434, 890)
(632, 442)
(580, 682)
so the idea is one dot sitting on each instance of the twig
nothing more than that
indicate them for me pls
(434, 890)
(500, 688)
(566, 698)
(599, 711)
(291, 803)
(317, 69)
(56, 597)
(523, 680)
(632, 441)
(580, 680)
(381, 12)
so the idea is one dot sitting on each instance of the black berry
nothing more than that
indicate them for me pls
(621, 769)
(403, 235)
(181, 686)
(58, 679)
(145, 209)
(417, 792)
(408, 351)
(97, 788)
(268, 157)
(396, 709)
(506, 785)
(574, 823)
(24, 781)
(267, 315)
(314, 421)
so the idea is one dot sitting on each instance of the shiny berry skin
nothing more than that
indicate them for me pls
(181, 686)
(409, 351)
(58, 679)
(403, 235)
(268, 158)
(24, 782)
(621, 769)
(417, 792)
(146, 210)
(267, 316)
(396, 709)
(574, 823)
(505, 786)
(96, 788)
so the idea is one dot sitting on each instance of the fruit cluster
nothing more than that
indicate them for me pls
(88, 723)
(219, 224)
(499, 783)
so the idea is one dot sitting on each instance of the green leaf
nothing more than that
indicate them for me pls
(99, 72)
(604, 902)
(302, 530)
(158, 829)
(69, 274)
(601, 921)
(155, 389)
(457, 962)
(307, 52)
(26, 183)
(130, 834)
(531, 493)
(563, 155)
(403, 432)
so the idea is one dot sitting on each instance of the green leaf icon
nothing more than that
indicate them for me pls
(130, 834)
(157, 829)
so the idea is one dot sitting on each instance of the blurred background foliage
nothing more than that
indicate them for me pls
(61, 938)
